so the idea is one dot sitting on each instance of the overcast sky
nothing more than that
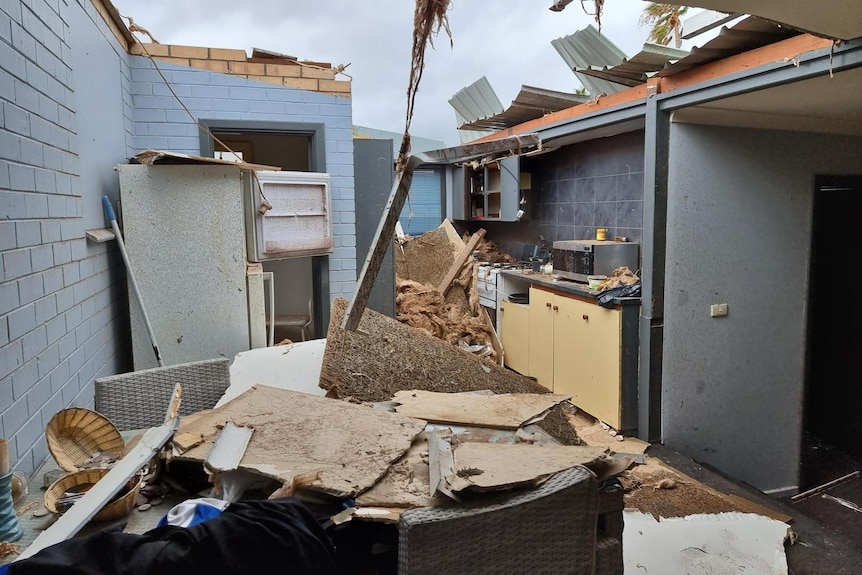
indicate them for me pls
(507, 41)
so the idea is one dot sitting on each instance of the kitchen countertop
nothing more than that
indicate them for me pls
(563, 285)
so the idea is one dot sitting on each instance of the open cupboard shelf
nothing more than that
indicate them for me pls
(493, 192)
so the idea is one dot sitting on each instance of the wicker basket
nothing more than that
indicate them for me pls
(76, 435)
(117, 508)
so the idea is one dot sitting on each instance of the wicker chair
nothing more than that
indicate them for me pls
(140, 399)
(549, 529)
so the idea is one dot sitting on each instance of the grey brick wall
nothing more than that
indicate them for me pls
(161, 123)
(61, 299)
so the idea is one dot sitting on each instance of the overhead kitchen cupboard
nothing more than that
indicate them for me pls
(491, 192)
(580, 348)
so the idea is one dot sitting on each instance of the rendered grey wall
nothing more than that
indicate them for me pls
(739, 221)
(161, 123)
(62, 84)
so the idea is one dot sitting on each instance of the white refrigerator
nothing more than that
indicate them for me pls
(184, 231)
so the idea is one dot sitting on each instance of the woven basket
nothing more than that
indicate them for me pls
(115, 509)
(76, 435)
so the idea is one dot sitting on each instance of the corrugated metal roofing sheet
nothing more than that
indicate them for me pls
(529, 104)
(588, 47)
(745, 35)
(476, 101)
(637, 69)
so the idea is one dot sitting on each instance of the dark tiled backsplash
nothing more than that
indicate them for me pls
(577, 189)
(583, 187)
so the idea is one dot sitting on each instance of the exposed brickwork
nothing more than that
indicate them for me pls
(298, 74)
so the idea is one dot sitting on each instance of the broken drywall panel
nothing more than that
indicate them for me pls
(491, 466)
(295, 366)
(385, 356)
(406, 483)
(718, 544)
(506, 411)
(348, 446)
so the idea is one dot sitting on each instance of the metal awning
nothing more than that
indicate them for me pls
(841, 19)
(530, 103)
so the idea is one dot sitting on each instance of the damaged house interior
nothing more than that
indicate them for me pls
(598, 336)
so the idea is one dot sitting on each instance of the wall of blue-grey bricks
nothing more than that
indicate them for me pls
(64, 116)
(576, 189)
(162, 123)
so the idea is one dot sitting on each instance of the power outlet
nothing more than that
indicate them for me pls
(718, 310)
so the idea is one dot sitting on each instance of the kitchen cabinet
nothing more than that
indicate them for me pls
(494, 191)
(541, 335)
(515, 335)
(587, 351)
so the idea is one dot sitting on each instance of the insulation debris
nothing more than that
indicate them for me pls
(621, 276)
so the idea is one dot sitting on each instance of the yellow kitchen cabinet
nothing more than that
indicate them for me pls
(587, 357)
(541, 334)
(515, 335)
(581, 349)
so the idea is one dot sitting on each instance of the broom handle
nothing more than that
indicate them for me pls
(109, 212)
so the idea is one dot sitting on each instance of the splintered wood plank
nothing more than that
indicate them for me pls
(386, 356)
(462, 256)
(504, 411)
(491, 466)
(348, 446)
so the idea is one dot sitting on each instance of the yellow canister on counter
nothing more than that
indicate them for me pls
(601, 234)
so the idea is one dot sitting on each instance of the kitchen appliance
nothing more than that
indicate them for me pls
(578, 259)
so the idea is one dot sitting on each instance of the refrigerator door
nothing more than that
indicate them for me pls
(183, 230)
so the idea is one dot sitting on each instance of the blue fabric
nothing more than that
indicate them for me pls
(192, 512)
(4, 569)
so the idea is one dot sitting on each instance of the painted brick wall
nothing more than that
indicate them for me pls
(162, 123)
(59, 300)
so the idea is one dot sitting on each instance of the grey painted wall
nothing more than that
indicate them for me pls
(739, 221)
(63, 85)
(161, 123)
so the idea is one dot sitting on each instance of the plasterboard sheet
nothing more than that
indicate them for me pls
(295, 367)
(347, 447)
(718, 544)
(505, 411)
(491, 466)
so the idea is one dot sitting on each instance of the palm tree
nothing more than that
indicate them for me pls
(666, 22)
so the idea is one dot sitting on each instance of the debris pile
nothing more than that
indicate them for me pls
(622, 276)
(436, 289)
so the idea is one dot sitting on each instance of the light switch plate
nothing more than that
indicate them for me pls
(718, 310)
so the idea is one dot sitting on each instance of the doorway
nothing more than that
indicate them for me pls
(833, 394)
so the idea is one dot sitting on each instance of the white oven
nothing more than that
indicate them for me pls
(487, 288)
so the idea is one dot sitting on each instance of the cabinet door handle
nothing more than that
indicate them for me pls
(548, 304)
(585, 317)
(556, 308)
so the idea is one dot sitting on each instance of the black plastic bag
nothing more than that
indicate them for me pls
(607, 297)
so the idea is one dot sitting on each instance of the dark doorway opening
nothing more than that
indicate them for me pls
(833, 381)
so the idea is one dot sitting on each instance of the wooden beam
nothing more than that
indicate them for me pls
(459, 261)
(379, 245)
